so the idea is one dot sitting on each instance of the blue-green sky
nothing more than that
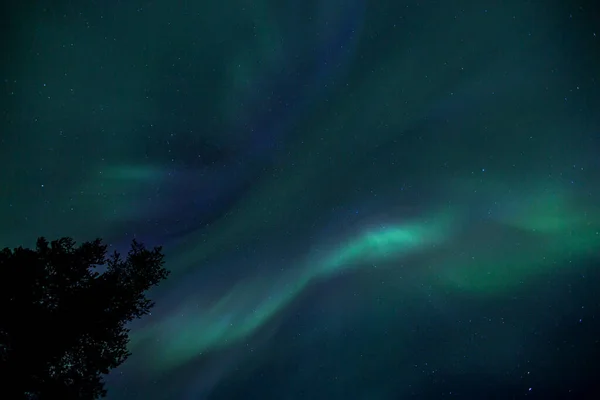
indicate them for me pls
(357, 199)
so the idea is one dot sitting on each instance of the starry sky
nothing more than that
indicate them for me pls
(357, 200)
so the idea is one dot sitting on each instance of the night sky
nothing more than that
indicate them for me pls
(358, 200)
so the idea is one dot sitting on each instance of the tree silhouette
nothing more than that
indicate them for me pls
(63, 315)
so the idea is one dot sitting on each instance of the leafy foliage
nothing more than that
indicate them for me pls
(63, 315)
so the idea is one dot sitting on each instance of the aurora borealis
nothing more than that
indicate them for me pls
(357, 200)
